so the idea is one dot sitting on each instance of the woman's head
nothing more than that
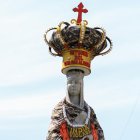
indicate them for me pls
(74, 80)
(75, 87)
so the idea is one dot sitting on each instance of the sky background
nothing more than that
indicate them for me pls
(31, 82)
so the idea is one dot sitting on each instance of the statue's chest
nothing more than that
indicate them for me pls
(79, 127)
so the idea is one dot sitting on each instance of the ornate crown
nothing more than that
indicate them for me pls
(77, 43)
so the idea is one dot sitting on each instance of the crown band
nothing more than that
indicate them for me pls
(76, 59)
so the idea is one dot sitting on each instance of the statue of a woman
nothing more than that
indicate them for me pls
(72, 118)
(77, 44)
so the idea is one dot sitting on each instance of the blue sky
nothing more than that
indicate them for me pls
(31, 82)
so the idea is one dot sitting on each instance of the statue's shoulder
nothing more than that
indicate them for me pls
(59, 105)
(58, 110)
(92, 114)
(92, 111)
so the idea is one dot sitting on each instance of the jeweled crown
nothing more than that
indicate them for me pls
(77, 43)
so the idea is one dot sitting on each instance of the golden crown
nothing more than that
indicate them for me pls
(77, 43)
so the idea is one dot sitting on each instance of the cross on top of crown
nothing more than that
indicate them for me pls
(80, 10)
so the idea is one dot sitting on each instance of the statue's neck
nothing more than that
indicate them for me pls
(75, 100)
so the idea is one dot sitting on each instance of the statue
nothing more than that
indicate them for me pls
(74, 114)
(73, 118)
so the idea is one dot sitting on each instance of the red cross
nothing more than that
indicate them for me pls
(80, 10)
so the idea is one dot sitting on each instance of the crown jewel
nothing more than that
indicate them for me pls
(77, 43)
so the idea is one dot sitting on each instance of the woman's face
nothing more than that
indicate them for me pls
(74, 84)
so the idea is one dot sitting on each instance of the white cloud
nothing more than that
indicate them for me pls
(14, 73)
(105, 101)
(116, 16)
(29, 106)
(23, 56)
